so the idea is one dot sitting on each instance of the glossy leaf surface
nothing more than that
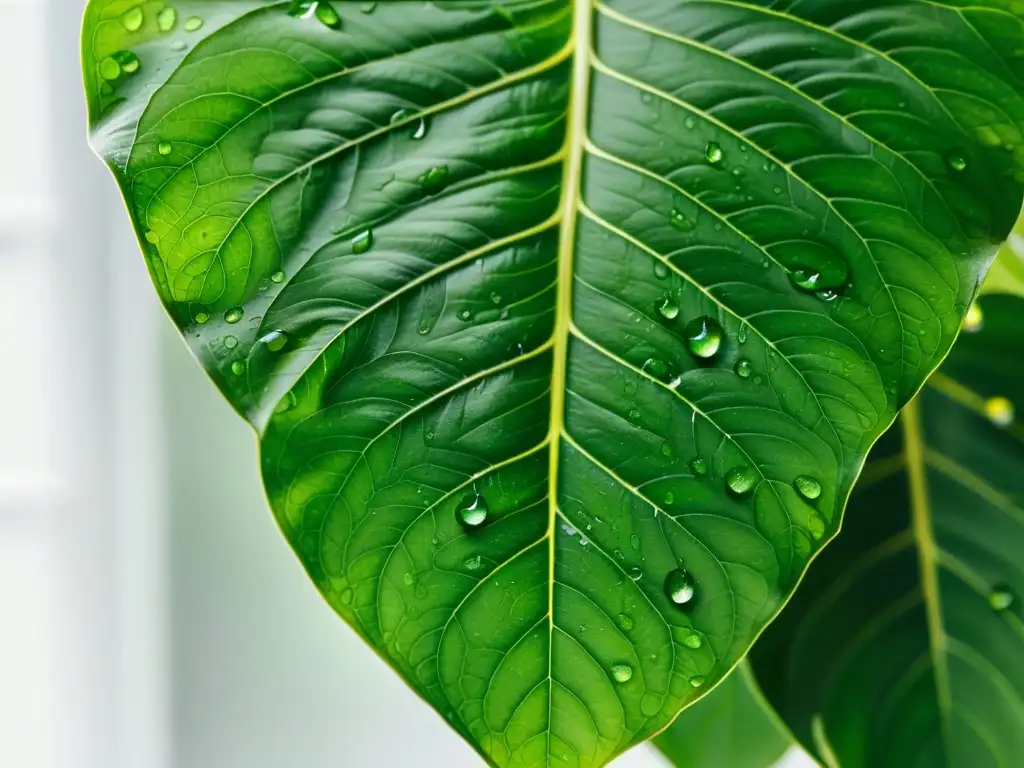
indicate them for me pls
(565, 327)
(731, 727)
(904, 646)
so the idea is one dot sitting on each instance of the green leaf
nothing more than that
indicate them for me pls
(1007, 273)
(903, 647)
(731, 727)
(556, 319)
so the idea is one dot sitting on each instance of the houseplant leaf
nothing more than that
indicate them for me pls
(731, 727)
(904, 646)
(544, 313)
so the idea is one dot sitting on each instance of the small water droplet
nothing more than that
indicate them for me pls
(277, 277)
(622, 673)
(238, 367)
(669, 308)
(435, 179)
(975, 319)
(816, 525)
(164, 148)
(680, 587)
(179, 45)
(132, 20)
(421, 129)
(474, 563)
(230, 342)
(697, 681)
(713, 153)
(661, 270)
(166, 19)
(689, 123)
(669, 498)
(655, 367)
(193, 24)
(110, 69)
(678, 220)
(495, 298)
(668, 450)
(465, 315)
(1000, 598)
(368, 7)
(625, 621)
(635, 573)
(129, 62)
(699, 466)
(275, 341)
(233, 315)
(634, 416)
(956, 161)
(743, 368)
(346, 596)
(742, 335)
(474, 514)
(1000, 411)
(807, 487)
(741, 479)
(202, 317)
(363, 241)
(704, 336)
(152, 237)
(634, 542)
(693, 641)
(286, 404)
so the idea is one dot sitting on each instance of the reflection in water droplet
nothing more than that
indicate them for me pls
(807, 487)
(669, 308)
(816, 525)
(956, 161)
(474, 563)
(713, 153)
(277, 277)
(238, 367)
(474, 514)
(421, 129)
(1000, 411)
(741, 479)
(193, 24)
(704, 336)
(132, 20)
(275, 341)
(975, 319)
(699, 466)
(233, 315)
(363, 241)
(625, 621)
(622, 673)
(680, 587)
(435, 179)
(635, 573)
(743, 368)
(164, 148)
(668, 450)
(679, 221)
(697, 682)
(1000, 598)
(693, 641)
(230, 342)
(166, 19)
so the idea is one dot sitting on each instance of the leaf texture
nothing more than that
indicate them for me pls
(904, 646)
(636, 283)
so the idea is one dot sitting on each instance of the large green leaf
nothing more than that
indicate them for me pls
(904, 646)
(462, 257)
(731, 727)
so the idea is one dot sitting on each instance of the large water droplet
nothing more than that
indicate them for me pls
(669, 308)
(704, 336)
(693, 641)
(807, 487)
(635, 573)
(474, 514)
(713, 153)
(164, 148)
(202, 317)
(699, 466)
(622, 673)
(956, 161)
(363, 241)
(1000, 598)
(743, 368)
(625, 621)
(233, 315)
(1000, 411)
(238, 367)
(680, 587)
(193, 24)
(975, 319)
(435, 179)
(812, 266)
(132, 20)
(110, 69)
(275, 341)
(277, 277)
(741, 479)
(166, 19)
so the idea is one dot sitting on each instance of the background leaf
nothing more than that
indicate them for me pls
(904, 645)
(565, 328)
(731, 727)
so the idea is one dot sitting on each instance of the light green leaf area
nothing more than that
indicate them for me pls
(565, 328)
(731, 727)
(1007, 272)
(904, 646)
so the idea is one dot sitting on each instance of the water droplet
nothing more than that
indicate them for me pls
(346, 596)
(110, 69)
(202, 317)
(679, 586)
(704, 335)
(233, 315)
(697, 681)
(132, 20)
(816, 525)
(193, 24)
(409, 579)
(1000, 598)
(634, 416)
(152, 237)
(474, 563)
(661, 270)
(699, 466)
(275, 341)
(286, 404)
(689, 122)
(230, 342)
(634, 541)
(956, 161)
(828, 294)
(807, 487)
(166, 19)
(622, 673)
(743, 368)
(693, 641)
(713, 153)
(425, 327)
(368, 7)
(741, 479)
(179, 45)
(164, 148)
(465, 315)
(435, 179)
(495, 298)
(668, 450)
(129, 62)
(669, 498)
(238, 367)
(742, 335)
(669, 308)
(975, 319)
(421, 129)
(474, 514)
(679, 221)
(635, 573)
(363, 241)
(625, 621)
(655, 367)
(1000, 411)
(277, 277)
